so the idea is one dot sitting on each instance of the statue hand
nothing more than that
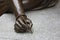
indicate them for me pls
(23, 24)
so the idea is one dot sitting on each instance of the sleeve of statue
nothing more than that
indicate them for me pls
(3, 6)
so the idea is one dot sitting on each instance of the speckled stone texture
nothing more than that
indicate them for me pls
(46, 25)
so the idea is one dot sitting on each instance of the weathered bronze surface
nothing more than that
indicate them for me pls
(18, 7)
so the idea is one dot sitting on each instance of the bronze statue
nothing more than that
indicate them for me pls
(19, 7)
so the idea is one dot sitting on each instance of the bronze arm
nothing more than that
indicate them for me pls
(22, 24)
